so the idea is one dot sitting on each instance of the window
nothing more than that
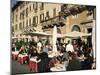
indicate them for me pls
(35, 20)
(20, 16)
(33, 6)
(16, 17)
(30, 21)
(89, 30)
(23, 15)
(41, 17)
(12, 17)
(27, 2)
(26, 12)
(30, 8)
(26, 23)
(12, 29)
(47, 15)
(36, 7)
(23, 24)
(42, 6)
(54, 12)
(76, 28)
(16, 27)
(20, 25)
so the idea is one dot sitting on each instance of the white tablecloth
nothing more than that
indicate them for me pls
(24, 55)
(52, 54)
(15, 52)
(58, 68)
(33, 59)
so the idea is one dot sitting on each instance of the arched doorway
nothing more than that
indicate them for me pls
(76, 28)
(76, 41)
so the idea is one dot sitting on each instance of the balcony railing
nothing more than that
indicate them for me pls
(57, 20)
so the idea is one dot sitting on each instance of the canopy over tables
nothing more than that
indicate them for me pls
(19, 37)
(60, 35)
(43, 34)
(76, 34)
(38, 33)
(14, 37)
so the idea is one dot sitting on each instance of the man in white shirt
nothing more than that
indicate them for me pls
(69, 47)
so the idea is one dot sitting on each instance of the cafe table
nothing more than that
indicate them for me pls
(58, 67)
(54, 54)
(33, 64)
(22, 58)
(15, 55)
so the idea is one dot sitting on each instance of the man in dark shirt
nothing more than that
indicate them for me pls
(22, 50)
(43, 56)
(32, 51)
(74, 64)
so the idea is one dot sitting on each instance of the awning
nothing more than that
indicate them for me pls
(60, 35)
(76, 34)
(38, 34)
(14, 37)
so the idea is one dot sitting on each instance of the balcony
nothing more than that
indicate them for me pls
(49, 23)
(67, 10)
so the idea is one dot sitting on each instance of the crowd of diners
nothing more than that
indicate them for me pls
(77, 55)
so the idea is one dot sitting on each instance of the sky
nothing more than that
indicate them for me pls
(13, 2)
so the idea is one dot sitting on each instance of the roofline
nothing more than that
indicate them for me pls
(16, 5)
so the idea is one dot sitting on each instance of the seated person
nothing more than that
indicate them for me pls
(32, 51)
(73, 63)
(87, 62)
(14, 47)
(65, 58)
(54, 61)
(22, 50)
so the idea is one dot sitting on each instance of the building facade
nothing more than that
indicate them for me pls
(41, 17)
(28, 16)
